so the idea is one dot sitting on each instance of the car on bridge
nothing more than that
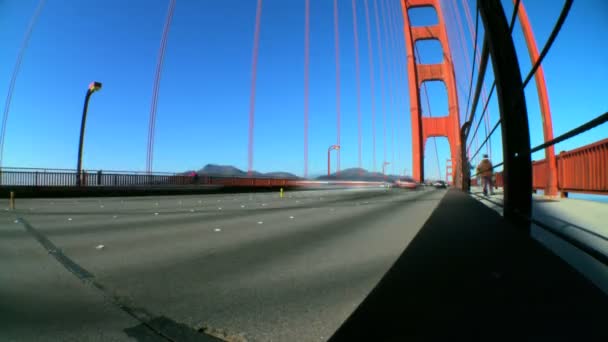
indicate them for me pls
(440, 184)
(406, 184)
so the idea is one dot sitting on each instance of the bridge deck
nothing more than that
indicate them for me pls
(468, 273)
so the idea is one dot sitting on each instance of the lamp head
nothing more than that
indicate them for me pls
(94, 86)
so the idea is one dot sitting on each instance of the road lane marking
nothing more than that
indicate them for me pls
(88, 279)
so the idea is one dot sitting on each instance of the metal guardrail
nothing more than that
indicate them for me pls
(583, 170)
(68, 178)
(60, 178)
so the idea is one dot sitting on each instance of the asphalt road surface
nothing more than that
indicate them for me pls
(252, 267)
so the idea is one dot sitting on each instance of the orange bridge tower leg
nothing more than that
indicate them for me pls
(543, 98)
(425, 127)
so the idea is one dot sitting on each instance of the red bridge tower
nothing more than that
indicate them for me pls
(424, 127)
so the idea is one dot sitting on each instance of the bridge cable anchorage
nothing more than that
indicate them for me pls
(306, 80)
(16, 69)
(156, 85)
(549, 43)
(337, 48)
(254, 72)
(372, 84)
(358, 80)
(381, 67)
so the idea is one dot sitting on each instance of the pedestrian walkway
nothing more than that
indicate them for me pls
(584, 221)
(471, 275)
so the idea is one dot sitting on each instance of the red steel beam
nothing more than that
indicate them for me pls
(422, 127)
(543, 99)
(584, 170)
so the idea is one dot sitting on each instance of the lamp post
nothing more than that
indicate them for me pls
(383, 168)
(332, 147)
(93, 87)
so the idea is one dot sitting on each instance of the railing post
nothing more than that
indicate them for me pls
(513, 114)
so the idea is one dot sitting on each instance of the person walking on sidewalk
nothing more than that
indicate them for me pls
(486, 171)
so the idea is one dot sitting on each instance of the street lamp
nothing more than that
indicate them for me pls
(93, 87)
(332, 147)
(383, 167)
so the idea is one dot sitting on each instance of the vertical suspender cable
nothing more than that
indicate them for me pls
(11, 87)
(254, 73)
(337, 44)
(358, 78)
(389, 70)
(306, 80)
(157, 75)
(372, 84)
(381, 67)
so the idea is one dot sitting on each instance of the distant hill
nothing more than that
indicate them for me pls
(231, 171)
(351, 174)
(280, 174)
(358, 174)
(221, 170)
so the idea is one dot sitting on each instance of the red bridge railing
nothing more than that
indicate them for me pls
(64, 178)
(583, 170)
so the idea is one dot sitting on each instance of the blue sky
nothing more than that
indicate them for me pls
(202, 114)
